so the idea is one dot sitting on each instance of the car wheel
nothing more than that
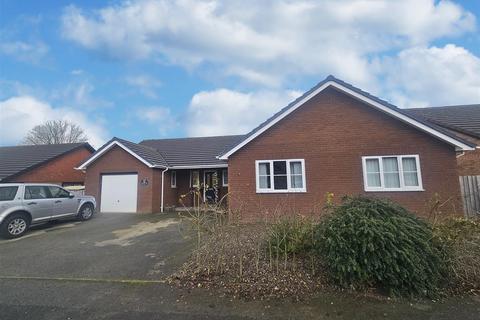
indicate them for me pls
(86, 212)
(14, 226)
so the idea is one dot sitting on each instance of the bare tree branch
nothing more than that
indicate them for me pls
(54, 132)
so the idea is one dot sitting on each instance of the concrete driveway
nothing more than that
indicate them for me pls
(114, 267)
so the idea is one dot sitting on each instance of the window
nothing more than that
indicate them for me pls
(280, 175)
(173, 179)
(36, 192)
(225, 177)
(57, 192)
(392, 173)
(8, 193)
(195, 179)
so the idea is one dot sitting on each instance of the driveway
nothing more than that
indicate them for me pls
(114, 267)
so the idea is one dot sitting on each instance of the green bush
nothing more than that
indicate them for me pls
(460, 240)
(291, 235)
(369, 242)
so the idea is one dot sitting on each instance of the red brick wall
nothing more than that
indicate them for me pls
(332, 132)
(58, 170)
(469, 162)
(116, 160)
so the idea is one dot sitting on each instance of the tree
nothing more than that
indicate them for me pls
(55, 131)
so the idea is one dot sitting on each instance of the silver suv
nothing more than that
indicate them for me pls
(24, 204)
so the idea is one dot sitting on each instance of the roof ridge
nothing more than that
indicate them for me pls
(191, 138)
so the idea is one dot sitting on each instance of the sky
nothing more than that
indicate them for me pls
(157, 69)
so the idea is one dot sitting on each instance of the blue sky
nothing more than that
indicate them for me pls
(153, 69)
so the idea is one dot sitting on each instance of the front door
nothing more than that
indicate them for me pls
(210, 190)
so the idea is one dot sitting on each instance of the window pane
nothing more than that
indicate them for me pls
(373, 179)
(296, 181)
(296, 167)
(8, 193)
(225, 177)
(373, 165)
(264, 182)
(279, 167)
(411, 179)
(392, 180)
(264, 169)
(195, 178)
(56, 192)
(280, 182)
(35, 192)
(409, 164)
(390, 164)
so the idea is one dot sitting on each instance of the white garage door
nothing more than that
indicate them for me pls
(119, 193)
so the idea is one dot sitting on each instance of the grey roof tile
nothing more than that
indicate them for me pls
(461, 118)
(19, 159)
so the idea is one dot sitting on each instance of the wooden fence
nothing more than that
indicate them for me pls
(470, 188)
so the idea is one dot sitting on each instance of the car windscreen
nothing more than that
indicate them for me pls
(8, 193)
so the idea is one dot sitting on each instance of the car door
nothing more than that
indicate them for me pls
(37, 200)
(63, 205)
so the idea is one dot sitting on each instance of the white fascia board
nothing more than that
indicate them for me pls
(108, 147)
(213, 166)
(458, 144)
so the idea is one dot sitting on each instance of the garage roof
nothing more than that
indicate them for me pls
(173, 153)
(19, 159)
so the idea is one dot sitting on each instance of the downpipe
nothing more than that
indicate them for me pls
(163, 184)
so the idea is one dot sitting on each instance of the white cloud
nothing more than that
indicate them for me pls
(146, 84)
(161, 117)
(266, 42)
(421, 76)
(24, 51)
(19, 114)
(225, 111)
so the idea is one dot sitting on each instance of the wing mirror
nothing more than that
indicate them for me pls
(71, 195)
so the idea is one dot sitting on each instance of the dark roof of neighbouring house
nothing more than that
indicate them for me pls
(171, 153)
(462, 118)
(191, 152)
(20, 159)
(358, 91)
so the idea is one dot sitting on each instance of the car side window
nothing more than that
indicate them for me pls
(36, 192)
(8, 193)
(57, 192)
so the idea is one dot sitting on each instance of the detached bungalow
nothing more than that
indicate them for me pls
(333, 139)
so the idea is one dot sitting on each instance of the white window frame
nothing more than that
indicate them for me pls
(173, 179)
(400, 172)
(224, 174)
(191, 179)
(289, 187)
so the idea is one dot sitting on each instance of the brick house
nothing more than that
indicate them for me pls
(333, 139)
(49, 163)
(464, 122)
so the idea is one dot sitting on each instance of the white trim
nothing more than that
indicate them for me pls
(173, 179)
(213, 166)
(224, 174)
(400, 173)
(108, 147)
(163, 187)
(289, 188)
(458, 144)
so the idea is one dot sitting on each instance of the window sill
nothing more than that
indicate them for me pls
(281, 191)
(395, 190)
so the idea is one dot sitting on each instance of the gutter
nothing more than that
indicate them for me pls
(163, 183)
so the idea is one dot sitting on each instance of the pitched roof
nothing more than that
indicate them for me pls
(382, 105)
(149, 156)
(192, 152)
(172, 153)
(461, 118)
(19, 159)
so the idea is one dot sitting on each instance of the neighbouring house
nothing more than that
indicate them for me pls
(464, 122)
(333, 139)
(49, 163)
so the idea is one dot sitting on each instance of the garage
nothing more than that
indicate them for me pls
(119, 193)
